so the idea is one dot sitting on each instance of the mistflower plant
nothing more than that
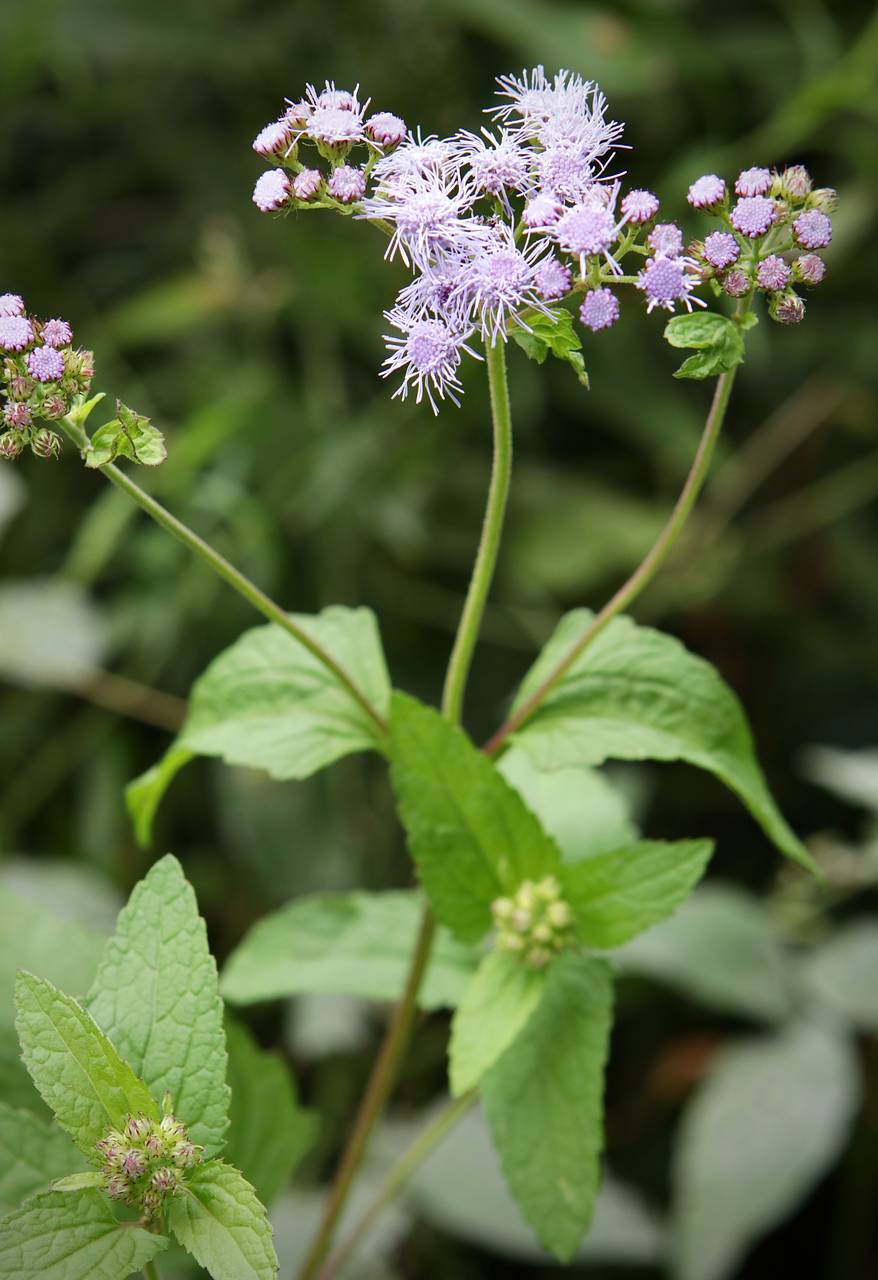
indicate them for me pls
(521, 230)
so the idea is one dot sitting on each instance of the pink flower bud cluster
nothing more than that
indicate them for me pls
(146, 1161)
(41, 375)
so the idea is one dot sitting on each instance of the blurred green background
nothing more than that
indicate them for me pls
(254, 344)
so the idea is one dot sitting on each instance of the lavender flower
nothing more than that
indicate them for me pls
(773, 273)
(385, 129)
(552, 280)
(666, 239)
(707, 192)
(586, 230)
(542, 211)
(416, 157)
(753, 182)
(499, 281)
(11, 304)
(273, 139)
(426, 212)
(564, 171)
(15, 333)
(599, 310)
(809, 268)
(336, 117)
(721, 249)
(752, 216)
(57, 333)
(429, 355)
(347, 184)
(666, 280)
(812, 229)
(307, 183)
(497, 164)
(568, 112)
(272, 190)
(639, 206)
(45, 364)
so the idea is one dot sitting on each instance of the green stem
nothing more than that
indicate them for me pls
(227, 571)
(489, 544)
(396, 1038)
(410, 1160)
(643, 574)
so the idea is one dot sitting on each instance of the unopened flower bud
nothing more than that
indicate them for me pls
(824, 198)
(542, 932)
(511, 942)
(548, 888)
(787, 308)
(307, 183)
(559, 915)
(186, 1153)
(165, 1180)
(11, 445)
(736, 283)
(20, 387)
(133, 1164)
(502, 909)
(53, 407)
(151, 1203)
(46, 444)
(137, 1128)
(773, 273)
(117, 1187)
(154, 1145)
(809, 268)
(538, 957)
(17, 414)
(794, 183)
(521, 920)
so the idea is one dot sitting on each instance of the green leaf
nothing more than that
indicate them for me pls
(619, 894)
(496, 1006)
(544, 1101)
(722, 949)
(129, 435)
(32, 1153)
(80, 1181)
(578, 807)
(73, 1237)
(766, 1125)
(268, 703)
(219, 1220)
(637, 694)
(716, 339)
(76, 1069)
(470, 834)
(269, 1132)
(144, 794)
(843, 973)
(543, 336)
(156, 996)
(347, 944)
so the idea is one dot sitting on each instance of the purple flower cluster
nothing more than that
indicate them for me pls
(40, 377)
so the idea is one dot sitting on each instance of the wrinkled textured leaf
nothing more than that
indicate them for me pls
(619, 894)
(470, 834)
(129, 435)
(269, 1131)
(502, 996)
(843, 973)
(637, 694)
(722, 949)
(578, 806)
(156, 996)
(544, 336)
(219, 1220)
(346, 943)
(716, 339)
(765, 1126)
(268, 703)
(32, 1153)
(544, 1103)
(61, 1236)
(77, 1071)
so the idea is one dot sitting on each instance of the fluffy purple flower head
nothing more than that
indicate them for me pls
(416, 157)
(639, 206)
(426, 212)
(585, 230)
(307, 183)
(273, 138)
(335, 126)
(11, 304)
(552, 280)
(497, 164)
(347, 184)
(665, 281)
(15, 333)
(564, 171)
(752, 216)
(57, 333)
(434, 292)
(428, 352)
(335, 99)
(721, 249)
(499, 281)
(599, 310)
(567, 113)
(45, 364)
(809, 268)
(16, 414)
(542, 211)
(753, 182)
(530, 97)
(707, 192)
(666, 239)
(386, 129)
(812, 229)
(773, 273)
(736, 283)
(271, 191)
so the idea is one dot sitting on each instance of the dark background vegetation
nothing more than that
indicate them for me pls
(254, 343)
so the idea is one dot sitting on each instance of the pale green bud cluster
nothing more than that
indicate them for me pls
(145, 1161)
(536, 922)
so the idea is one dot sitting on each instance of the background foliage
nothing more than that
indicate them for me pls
(126, 178)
